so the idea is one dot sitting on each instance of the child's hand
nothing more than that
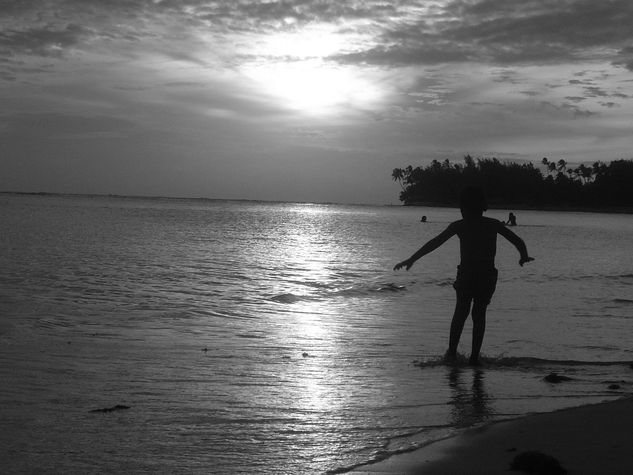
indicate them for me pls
(525, 260)
(402, 264)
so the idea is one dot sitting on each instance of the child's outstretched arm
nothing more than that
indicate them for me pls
(518, 243)
(430, 246)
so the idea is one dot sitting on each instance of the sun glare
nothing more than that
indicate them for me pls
(293, 69)
(314, 87)
(316, 41)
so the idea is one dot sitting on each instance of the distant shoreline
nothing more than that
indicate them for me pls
(185, 198)
(495, 206)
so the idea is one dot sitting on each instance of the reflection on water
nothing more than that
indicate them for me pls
(469, 400)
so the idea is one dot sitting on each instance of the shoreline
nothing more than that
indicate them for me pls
(588, 439)
(523, 207)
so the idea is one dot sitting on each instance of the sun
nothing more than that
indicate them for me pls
(294, 71)
(314, 87)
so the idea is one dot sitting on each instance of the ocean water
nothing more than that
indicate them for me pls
(250, 337)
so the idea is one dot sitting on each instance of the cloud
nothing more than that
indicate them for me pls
(589, 88)
(401, 55)
(41, 41)
(579, 23)
(625, 58)
(406, 32)
(595, 91)
(249, 15)
(509, 32)
(567, 108)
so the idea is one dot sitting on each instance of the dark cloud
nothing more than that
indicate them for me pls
(566, 109)
(511, 31)
(581, 23)
(40, 41)
(595, 91)
(402, 55)
(589, 88)
(506, 76)
(625, 58)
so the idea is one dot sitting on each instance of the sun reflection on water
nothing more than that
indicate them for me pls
(313, 320)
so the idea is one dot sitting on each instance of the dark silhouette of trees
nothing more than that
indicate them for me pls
(508, 184)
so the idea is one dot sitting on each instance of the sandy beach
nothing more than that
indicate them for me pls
(593, 439)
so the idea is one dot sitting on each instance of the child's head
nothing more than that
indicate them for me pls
(472, 201)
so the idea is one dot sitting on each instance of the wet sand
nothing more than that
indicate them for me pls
(593, 439)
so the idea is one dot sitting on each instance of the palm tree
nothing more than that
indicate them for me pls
(561, 166)
(551, 166)
(584, 172)
(598, 168)
(398, 175)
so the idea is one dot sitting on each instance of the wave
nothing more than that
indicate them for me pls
(584, 277)
(441, 432)
(515, 362)
(328, 292)
(621, 276)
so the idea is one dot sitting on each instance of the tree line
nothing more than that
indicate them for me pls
(508, 184)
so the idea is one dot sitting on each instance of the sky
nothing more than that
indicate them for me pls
(299, 100)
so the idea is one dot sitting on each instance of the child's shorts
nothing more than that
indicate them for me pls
(478, 284)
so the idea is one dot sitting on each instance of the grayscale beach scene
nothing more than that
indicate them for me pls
(316, 237)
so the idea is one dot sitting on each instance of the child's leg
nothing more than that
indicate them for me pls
(462, 308)
(479, 328)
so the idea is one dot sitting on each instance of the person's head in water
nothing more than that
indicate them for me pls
(472, 202)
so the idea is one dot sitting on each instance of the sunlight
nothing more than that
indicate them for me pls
(314, 87)
(293, 68)
(313, 41)
(310, 322)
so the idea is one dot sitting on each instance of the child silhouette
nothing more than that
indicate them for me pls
(476, 274)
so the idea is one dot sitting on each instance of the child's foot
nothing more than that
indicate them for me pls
(450, 357)
(474, 361)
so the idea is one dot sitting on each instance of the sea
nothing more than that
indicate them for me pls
(157, 335)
